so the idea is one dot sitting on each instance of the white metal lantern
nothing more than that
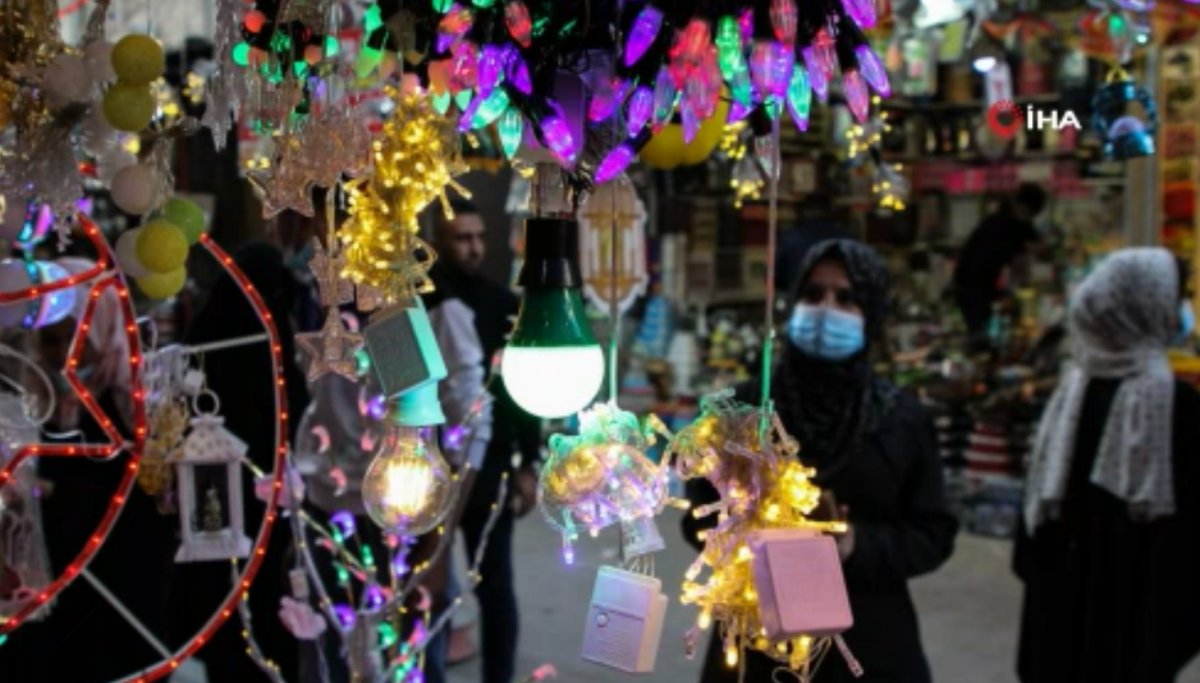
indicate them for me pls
(211, 516)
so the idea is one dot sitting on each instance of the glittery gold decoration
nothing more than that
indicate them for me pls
(288, 183)
(762, 485)
(326, 268)
(416, 156)
(168, 422)
(332, 349)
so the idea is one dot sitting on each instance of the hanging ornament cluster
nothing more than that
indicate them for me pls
(497, 60)
(602, 476)
(137, 61)
(47, 91)
(155, 254)
(416, 156)
(284, 42)
(751, 461)
(677, 58)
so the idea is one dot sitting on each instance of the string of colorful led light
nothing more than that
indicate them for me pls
(242, 585)
(116, 442)
(253, 651)
(473, 576)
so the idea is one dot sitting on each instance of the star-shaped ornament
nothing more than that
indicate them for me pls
(333, 289)
(332, 349)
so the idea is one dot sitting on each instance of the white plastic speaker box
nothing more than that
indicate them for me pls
(624, 621)
(801, 589)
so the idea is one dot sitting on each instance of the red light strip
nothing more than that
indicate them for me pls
(168, 666)
(116, 442)
(103, 262)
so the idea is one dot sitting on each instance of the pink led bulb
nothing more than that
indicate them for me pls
(642, 34)
(783, 20)
(861, 11)
(614, 163)
(857, 95)
(639, 111)
(520, 27)
(817, 76)
(559, 139)
(872, 69)
(490, 69)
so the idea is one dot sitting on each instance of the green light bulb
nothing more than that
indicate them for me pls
(552, 366)
(490, 109)
(373, 19)
(729, 47)
(511, 128)
(241, 54)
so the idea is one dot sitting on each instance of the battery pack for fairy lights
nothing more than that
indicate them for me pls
(624, 621)
(801, 589)
(402, 348)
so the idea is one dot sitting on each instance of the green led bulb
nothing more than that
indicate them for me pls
(241, 54)
(552, 366)
(511, 128)
(490, 109)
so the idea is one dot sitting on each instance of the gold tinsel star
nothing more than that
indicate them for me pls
(332, 349)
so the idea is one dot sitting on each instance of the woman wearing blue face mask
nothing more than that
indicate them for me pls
(876, 455)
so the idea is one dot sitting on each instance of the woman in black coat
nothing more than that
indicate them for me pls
(1108, 543)
(875, 453)
(242, 378)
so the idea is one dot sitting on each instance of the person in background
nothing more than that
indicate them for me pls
(877, 461)
(461, 248)
(815, 224)
(993, 246)
(83, 638)
(241, 377)
(1107, 546)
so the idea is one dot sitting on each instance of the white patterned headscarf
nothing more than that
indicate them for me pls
(1122, 317)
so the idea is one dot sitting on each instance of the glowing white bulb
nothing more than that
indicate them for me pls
(407, 485)
(984, 64)
(553, 381)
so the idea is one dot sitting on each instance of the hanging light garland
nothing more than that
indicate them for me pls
(416, 157)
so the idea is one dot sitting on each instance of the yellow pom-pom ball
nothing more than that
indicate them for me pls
(138, 59)
(128, 107)
(162, 246)
(162, 285)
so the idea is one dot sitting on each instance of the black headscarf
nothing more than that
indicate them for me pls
(831, 405)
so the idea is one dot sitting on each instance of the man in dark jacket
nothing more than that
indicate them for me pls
(998, 240)
(461, 247)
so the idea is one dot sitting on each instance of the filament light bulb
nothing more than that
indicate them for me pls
(409, 489)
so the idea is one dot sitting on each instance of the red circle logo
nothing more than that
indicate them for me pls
(1005, 118)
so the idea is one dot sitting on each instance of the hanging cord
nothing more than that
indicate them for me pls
(614, 310)
(769, 307)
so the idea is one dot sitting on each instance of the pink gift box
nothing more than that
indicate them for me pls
(801, 590)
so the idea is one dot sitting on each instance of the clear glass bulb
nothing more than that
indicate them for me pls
(409, 488)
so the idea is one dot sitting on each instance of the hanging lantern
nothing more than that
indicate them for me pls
(211, 516)
(1125, 135)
